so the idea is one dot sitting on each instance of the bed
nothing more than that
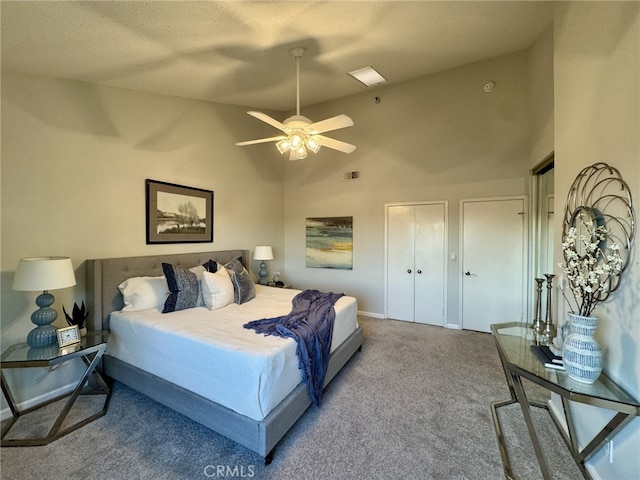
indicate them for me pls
(261, 418)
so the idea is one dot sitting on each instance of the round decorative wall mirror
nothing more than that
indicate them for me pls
(599, 215)
(586, 221)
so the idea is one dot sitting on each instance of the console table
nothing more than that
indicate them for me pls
(513, 341)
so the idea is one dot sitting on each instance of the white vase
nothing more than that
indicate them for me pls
(581, 352)
(83, 331)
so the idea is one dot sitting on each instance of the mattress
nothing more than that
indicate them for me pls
(210, 353)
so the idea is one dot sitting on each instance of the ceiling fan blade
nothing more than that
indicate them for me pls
(333, 123)
(261, 140)
(271, 121)
(336, 144)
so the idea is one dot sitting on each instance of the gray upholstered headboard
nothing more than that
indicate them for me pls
(104, 276)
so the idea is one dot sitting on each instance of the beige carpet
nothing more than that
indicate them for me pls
(415, 403)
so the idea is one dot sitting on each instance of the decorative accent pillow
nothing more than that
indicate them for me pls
(243, 287)
(183, 288)
(143, 293)
(217, 289)
(211, 266)
(199, 270)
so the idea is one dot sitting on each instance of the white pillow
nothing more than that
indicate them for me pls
(199, 270)
(217, 289)
(143, 293)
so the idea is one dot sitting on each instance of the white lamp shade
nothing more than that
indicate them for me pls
(36, 274)
(263, 252)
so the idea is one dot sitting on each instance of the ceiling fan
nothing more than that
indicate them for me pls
(300, 134)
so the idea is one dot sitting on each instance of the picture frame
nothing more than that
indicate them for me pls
(68, 336)
(177, 213)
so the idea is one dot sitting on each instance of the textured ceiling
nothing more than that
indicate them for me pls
(238, 52)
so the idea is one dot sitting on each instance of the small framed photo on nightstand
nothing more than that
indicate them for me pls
(68, 336)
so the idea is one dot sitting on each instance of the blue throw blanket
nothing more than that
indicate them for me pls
(310, 323)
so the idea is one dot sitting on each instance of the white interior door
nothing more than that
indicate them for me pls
(494, 254)
(400, 250)
(430, 264)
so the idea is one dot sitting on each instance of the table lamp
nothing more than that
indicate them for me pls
(43, 274)
(263, 253)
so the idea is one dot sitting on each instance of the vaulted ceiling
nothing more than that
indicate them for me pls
(237, 52)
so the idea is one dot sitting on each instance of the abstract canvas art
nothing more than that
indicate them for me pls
(330, 242)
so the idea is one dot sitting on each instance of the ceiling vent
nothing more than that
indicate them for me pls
(353, 175)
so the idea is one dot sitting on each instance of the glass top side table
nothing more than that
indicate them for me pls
(513, 341)
(20, 355)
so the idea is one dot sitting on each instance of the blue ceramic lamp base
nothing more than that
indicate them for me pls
(44, 335)
(262, 274)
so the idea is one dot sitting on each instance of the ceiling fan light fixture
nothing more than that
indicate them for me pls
(368, 76)
(313, 144)
(283, 145)
(295, 140)
(301, 152)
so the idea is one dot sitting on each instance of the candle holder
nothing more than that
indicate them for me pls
(537, 324)
(549, 329)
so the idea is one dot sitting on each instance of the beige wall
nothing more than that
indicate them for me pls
(541, 97)
(438, 138)
(74, 162)
(597, 119)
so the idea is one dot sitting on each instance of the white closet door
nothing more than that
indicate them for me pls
(400, 246)
(429, 264)
(416, 263)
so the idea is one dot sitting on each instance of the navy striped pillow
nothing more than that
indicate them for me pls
(183, 288)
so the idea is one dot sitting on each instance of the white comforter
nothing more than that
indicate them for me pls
(211, 354)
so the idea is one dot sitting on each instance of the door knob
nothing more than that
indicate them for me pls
(469, 274)
(419, 271)
(408, 270)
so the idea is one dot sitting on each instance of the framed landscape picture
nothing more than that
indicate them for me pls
(330, 242)
(178, 214)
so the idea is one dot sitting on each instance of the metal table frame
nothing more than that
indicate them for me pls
(17, 356)
(604, 393)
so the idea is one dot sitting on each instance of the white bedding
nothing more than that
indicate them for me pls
(209, 352)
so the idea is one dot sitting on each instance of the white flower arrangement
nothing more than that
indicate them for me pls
(589, 265)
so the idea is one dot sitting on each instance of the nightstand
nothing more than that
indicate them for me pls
(90, 350)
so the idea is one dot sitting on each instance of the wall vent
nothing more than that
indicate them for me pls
(354, 175)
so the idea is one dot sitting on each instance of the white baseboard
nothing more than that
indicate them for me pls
(5, 413)
(452, 326)
(558, 415)
(593, 472)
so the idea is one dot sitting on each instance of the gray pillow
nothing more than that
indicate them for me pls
(183, 288)
(243, 287)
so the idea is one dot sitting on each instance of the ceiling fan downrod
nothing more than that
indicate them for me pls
(297, 53)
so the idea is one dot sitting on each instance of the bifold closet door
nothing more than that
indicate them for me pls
(429, 259)
(416, 263)
(400, 252)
